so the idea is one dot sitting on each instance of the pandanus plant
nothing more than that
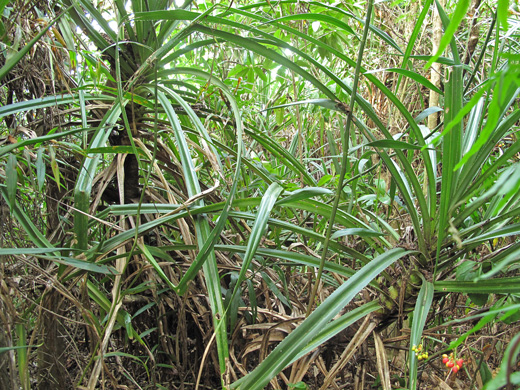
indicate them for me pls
(162, 150)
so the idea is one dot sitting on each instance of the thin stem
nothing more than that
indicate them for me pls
(344, 158)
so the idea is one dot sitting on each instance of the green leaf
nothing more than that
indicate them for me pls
(54, 166)
(304, 193)
(506, 231)
(490, 286)
(47, 101)
(503, 13)
(23, 361)
(260, 73)
(266, 205)
(290, 160)
(451, 152)
(6, 149)
(342, 13)
(392, 144)
(268, 53)
(215, 232)
(126, 355)
(28, 251)
(463, 112)
(271, 285)
(68, 261)
(440, 60)
(429, 111)
(499, 266)
(297, 258)
(40, 169)
(413, 75)
(413, 38)
(128, 325)
(485, 372)
(156, 266)
(11, 178)
(3, 3)
(505, 89)
(6, 349)
(356, 232)
(203, 231)
(420, 314)
(84, 182)
(102, 301)
(325, 103)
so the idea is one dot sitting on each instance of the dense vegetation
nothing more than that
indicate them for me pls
(292, 194)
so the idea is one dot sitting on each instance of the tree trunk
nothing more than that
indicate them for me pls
(52, 371)
(52, 355)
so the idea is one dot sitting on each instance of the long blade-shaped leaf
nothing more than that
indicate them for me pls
(452, 149)
(267, 204)
(203, 233)
(422, 308)
(336, 326)
(83, 186)
(285, 352)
